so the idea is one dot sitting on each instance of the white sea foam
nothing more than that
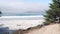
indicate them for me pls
(16, 22)
(20, 16)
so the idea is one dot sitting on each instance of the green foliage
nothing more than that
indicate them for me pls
(53, 13)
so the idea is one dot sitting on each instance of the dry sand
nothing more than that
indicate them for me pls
(50, 29)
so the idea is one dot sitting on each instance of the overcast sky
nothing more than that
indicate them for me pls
(23, 6)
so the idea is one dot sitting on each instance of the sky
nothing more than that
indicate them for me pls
(13, 7)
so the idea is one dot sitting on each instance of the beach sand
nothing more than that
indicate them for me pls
(50, 29)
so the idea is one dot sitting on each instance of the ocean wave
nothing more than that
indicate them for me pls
(21, 17)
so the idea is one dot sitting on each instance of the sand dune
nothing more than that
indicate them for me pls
(50, 29)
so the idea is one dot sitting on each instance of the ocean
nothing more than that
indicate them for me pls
(23, 21)
(20, 22)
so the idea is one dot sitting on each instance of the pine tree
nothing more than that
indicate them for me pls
(53, 13)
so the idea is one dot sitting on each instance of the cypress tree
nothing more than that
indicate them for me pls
(53, 14)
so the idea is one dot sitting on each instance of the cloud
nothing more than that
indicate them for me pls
(21, 7)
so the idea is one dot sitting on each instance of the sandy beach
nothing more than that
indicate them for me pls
(50, 29)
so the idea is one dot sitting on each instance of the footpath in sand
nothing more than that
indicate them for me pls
(50, 29)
